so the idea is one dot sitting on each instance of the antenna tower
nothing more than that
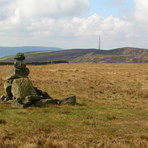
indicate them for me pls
(99, 47)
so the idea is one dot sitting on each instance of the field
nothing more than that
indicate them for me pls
(113, 111)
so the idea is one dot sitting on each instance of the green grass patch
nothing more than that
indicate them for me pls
(35, 52)
(28, 53)
(6, 57)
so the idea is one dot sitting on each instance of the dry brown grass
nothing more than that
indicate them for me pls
(114, 112)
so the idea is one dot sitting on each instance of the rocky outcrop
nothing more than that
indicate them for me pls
(21, 93)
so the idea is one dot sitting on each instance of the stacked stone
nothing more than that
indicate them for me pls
(18, 71)
(20, 91)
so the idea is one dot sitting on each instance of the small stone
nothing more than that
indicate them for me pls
(17, 103)
(70, 100)
(46, 102)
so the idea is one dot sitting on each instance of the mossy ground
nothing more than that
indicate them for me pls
(113, 111)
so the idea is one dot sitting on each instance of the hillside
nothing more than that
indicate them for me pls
(7, 51)
(120, 55)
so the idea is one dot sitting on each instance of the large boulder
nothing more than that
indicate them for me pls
(22, 87)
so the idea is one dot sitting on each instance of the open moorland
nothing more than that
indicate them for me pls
(113, 111)
(119, 55)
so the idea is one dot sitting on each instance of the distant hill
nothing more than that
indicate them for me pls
(119, 55)
(7, 51)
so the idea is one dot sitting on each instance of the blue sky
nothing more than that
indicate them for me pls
(74, 23)
(110, 7)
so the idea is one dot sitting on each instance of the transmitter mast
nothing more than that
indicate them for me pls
(99, 46)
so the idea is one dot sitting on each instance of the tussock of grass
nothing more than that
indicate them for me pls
(113, 114)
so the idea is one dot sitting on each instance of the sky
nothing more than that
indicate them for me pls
(74, 23)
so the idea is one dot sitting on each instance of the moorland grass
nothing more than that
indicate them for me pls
(113, 111)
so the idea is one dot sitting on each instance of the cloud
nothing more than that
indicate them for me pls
(6, 9)
(17, 14)
(75, 30)
(117, 2)
(51, 8)
(141, 11)
(58, 23)
(43, 8)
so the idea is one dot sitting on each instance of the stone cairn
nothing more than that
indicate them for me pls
(20, 91)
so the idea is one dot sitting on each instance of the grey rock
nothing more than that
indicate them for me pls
(46, 102)
(15, 73)
(21, 93)
(20, 64)
(70, 100)
(19, 57)
(7, 88)
(17, 103)
(22, 87)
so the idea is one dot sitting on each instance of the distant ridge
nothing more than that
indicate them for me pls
(119, 55)
(7, 51)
